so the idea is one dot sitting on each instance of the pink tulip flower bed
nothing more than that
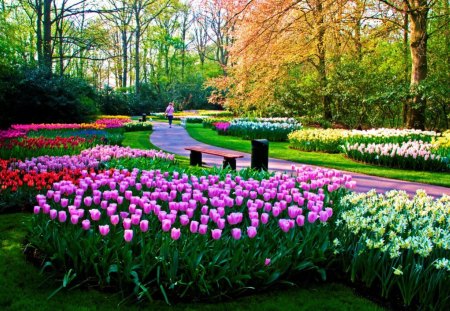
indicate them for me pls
(181, 236)
(89, 158)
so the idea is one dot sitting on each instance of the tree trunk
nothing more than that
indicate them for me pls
(419, 37)
(326, 99)
(124, 58)
(39, 32)
(47, 42)
(406, 62)
(136, 56)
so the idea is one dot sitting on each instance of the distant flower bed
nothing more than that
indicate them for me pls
(327, 140)
(330, 140)
(138, 126)
(187, 236)
(398, 244)
(113, 122)
(11, 133)
(192, 119)
(416, 155)
(209, 122)
(22, 148)
(273, 129)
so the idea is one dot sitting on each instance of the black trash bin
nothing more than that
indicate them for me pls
(260, 154)
(144, 117)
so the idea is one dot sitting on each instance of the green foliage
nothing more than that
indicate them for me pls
(403, 245)
(31, 97)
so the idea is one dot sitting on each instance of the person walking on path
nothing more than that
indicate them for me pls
(169, 113)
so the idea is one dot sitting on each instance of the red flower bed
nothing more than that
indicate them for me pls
(44, 142)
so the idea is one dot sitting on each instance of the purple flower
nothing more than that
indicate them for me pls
(53, 214)
(74, 219)
(184, 220)
(114, 219)
(128, 235)
(312, 217)
(193, 226)
(166, 225)
(202, 229)
(300, 220)
(264, 218)
(144, 225)
(87, 201)
(86, 224)
(216, 234)
(175, 233)
(62, 216)
(95, 214)
(267, 262)
(104, 230)
(37, 209)
(251, 232)
(126, 223)
(323, 216)
(236, 233)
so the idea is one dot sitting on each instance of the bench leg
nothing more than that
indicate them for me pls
(229, 162)
(196, 158)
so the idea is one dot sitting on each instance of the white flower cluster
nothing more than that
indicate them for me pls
(396, 224)
(386, 132)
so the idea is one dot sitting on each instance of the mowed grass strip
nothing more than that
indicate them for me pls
(281, 150)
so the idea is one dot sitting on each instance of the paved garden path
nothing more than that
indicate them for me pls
(175, 139)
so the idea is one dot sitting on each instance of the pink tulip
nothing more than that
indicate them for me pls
(95, 214)
(312, 217)
(184, 220)
(267, 262)
(37, 209)
(300, 220)
(144, 225)
(216, 234)
(251, 232)
(236, 233)
(193, 226)
(284, 225)
(53, 214)
(202, 229)
(126, 223)
(74, 219)
(264, 218)
(204, 219)
(254, 222)
(135, 219)
(64, 202)
(221, 223)
(175, 233)
(86, 224)
(87, 201)
(104, 230)
(323, 216)
(128, 235)
(114, 219)
(166, 225)
(62, 216)
(329, 211)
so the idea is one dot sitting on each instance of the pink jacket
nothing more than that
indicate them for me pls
(170, 110)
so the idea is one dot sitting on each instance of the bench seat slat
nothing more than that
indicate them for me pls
(225, 154)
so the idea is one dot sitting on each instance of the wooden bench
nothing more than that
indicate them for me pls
(229, 158)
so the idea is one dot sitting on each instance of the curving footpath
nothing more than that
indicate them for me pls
(175, 139)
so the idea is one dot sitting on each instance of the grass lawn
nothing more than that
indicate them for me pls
(281, 150)
(24, 287)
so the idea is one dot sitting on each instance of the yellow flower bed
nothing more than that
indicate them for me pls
(327, 140)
